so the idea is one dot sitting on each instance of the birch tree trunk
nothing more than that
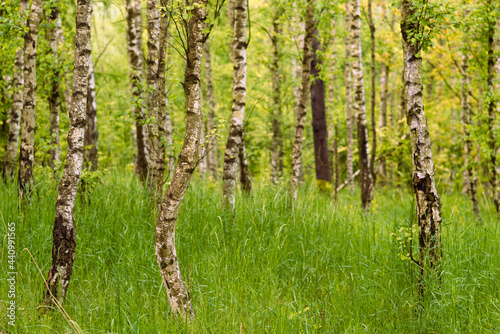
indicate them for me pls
(156, 165)
(64, 233)
(427, 200)
(166, 256)
(27, 151)
(135, 56)
(320, 133)
(91, 134)
(9, 161)
(277, 113)
(469, 170)
(54, 101)
(384, 89)
(360, 108)
(211, 159)
(348, 99)
(235, 138)
(301, 106)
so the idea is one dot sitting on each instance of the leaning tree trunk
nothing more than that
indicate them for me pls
(211, 159)
(91, 134)
(166, 256)
(156, 165)
(64, 233)
(360, 108)
(320, 133)
(469, 170)
(277, 113)
(135, 56)
(27, 152)
(424, 187)
(301, 105)
(9, 161)
(235, 138)
(348, 99)
(54, 101)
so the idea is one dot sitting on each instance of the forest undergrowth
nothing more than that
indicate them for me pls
(319, 268)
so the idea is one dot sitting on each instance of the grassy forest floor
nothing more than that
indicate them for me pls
(322, 268)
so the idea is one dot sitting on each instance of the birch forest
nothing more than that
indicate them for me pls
(250, 166)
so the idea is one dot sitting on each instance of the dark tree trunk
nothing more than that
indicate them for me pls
(321, 154)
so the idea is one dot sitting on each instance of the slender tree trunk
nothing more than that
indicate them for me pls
(427, 199)
(321, 154)
(336, 160)
(54, 101)
(211, 159)
(373, 95)
(27, 152)
(64, 233)
(91, 134)
(360, 108)
(156, 165)
(277, 113)
(469, 170)
(166, 256)
(492, 109)
(9, 161)
(497, 88)
(135, 57)
(384, 88)
(301, 107)
(348, 99)
(235, 138)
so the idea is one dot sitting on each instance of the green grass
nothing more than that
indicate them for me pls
(322, 268)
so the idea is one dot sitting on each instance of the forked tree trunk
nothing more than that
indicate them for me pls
(135, 57)
(54, 101)
(384, 89)
(320, 133)
(64, 233)
(211, 159)
(235, 138)
(277, 113)
(27, 151)
(91, 134)
(360, 108)
(156, 163)
(348, 99)
(166, 256)
(373, 96)
(470, 178)
(427, 199)
(9, 161)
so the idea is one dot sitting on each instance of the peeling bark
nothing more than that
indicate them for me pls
(27, 151)
(211, 159)
(9, 161)
(91, 134)
(348, 99)
(54, 101)
(277, 113)
(301, 106)
(166, 256)
(427, 199)
(360, 108)
(64, 233)
(135, 56)
(320, 133)
(235, 138)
